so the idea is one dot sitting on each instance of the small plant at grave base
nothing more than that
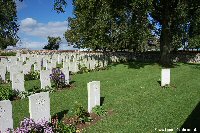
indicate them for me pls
(58, 78)
(25, 94)
(5, 93)
(2, 81)
(59, 65)
(43, 68)
(82, 69)
(97, 67)
(99, 110)
(33, 75)
(166, 86)
(81, 114)
(61, 127)
(24, 63)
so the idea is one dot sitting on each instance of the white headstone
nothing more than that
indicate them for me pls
(26, 68)
(15, 69)
(73, 67)
(4, 60)
(45, 79)
(18, 82)
(44, 62)
(39, 106)
(93, 94)
(37, 67)
(3, 72)
(165, 77)
(59, 59)
(6, 120)
(66, 73)
(66, 65)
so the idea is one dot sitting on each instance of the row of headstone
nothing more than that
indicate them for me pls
(39, 106)
(23, 62)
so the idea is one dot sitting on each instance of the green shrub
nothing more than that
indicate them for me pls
(99, 110)
(5, 93)
(1, 80)
(65, 128)
(81, 114)
(82, 69)
(25, 94)
(33, 75)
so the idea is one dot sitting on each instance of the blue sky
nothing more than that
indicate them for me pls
(37, 20)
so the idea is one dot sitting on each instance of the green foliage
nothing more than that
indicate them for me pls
(99, 68)
(1, 80)
(59, 65)
(82, 69)
(65, 128)
(53, 43)
(194, 42)
(99, 110)
(25, 94)
(8, 54)
(32, 75)
(119, 25)
(109, 25)
(59, 5)
(82, 115)
(8, 23)
(6, 93)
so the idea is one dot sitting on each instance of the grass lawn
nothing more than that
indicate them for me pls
(133, 92)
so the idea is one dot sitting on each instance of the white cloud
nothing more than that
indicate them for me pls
(31, 27)
(39, 45)
(31, 45)
(28, 22)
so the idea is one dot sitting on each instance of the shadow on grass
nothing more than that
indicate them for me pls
(71, 82)
(159, 82)
(102, 100)
(193, 121)
(134, 64)
(60, 115)
(140, 64)
(193, 65)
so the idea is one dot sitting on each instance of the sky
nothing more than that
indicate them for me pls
(38, 20)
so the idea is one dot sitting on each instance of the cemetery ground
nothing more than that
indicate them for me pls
(134, 94)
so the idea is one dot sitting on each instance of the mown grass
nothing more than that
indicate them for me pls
(133, 92)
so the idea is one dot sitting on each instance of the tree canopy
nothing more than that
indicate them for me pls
(116, 24)
(109, 25)
(53, 43)
(8, 23)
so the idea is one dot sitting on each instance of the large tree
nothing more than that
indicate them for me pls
(109, 24)
(116, 24)
(53, 43)
(177, 18)
(8, 23)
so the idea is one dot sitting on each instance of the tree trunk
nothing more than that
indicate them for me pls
(165, 43)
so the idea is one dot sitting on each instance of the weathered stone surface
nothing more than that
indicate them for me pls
(6, 120)
(165, 77)
(93, 94)
(39, 106)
